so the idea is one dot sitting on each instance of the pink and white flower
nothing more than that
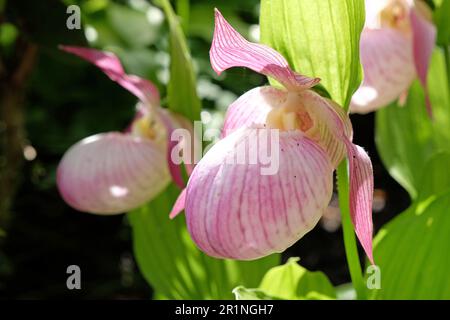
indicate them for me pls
(396, 46)
(232, 210)
(114, 172)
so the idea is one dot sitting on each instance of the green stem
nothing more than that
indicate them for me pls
(447, 62)
(351, 249)
(183, 12)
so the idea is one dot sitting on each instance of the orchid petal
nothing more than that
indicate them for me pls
(179, 204)
(194, 143)
(252, 108)
(233, 211)
(143, 89)
(230, 49)
(112, 173)
(373, 10)
(361, 178)
(424, 38)
(387, 60)
(175, 169)
(173, 122)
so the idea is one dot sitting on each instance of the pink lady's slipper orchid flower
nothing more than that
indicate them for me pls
(234, 211)
(396, 46)
(114, 172)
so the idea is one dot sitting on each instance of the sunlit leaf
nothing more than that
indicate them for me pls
(318, 38)
(406, 137)
(242, 293)
(435, 178)
(289, 282)
(412, 250)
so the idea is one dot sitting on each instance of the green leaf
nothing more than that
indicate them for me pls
(242, 293)
(412, 250)
(345, 291)
(318, 38)
(291, 281)
(443, 23)
(406, 137)
(412, 253)
(173, 265)
(435, 179)
(44, 22)
(182, 91)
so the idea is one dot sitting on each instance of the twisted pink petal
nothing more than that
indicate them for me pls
(143, 89)
(361, 179)
(175, 169)
(361, 195)
(230, 49)
(179, 204)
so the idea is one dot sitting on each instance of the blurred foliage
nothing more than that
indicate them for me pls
(442, 22)
(412, 250)
(43, 22)
(406, 137)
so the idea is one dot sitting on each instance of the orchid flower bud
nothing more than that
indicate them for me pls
(396, 46)
(114, 172)
(235, 211)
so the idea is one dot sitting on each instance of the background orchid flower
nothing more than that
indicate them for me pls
(235, 212)
(114, 172)
(396, 46)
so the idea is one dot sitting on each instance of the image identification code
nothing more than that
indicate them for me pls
(225, 309)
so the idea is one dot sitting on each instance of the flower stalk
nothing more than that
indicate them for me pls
(447, 63)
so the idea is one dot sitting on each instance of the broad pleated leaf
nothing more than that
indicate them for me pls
(412, 250)
(319, 39)
(406, 137)
(173, 265)
(435, 179)
(289, 282)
